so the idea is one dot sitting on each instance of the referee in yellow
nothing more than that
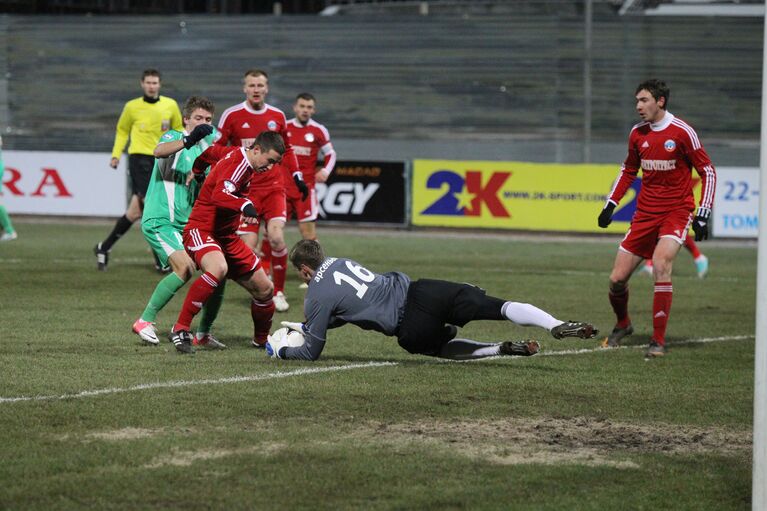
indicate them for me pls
(144, 120)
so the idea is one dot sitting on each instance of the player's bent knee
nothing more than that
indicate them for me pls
(277, 243)
(617, 286)
(218, 271)
(263, 293)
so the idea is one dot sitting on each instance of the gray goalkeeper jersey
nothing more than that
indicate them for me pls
(342, 291)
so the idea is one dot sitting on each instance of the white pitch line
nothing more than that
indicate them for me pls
(600, 349)
(315, 370)
(172, 384)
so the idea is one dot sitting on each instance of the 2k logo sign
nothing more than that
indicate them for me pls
(466, 195)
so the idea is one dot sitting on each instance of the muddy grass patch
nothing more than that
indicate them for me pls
(185, 458)
(578, 440)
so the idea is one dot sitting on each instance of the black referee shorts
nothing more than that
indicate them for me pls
(430, 306)
(140, 171)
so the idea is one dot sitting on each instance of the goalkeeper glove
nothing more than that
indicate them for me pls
(298, 327)
(606, 216)
(700, 224)
(301, 185)
(274, 344)
(198, 133)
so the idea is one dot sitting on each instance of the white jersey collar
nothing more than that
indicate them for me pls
(247, 107)
(663, 123)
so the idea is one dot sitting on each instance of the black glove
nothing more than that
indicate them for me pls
(250, 210)
(199, 177)
(198, 133)
(700, 224)
(606, 216)
(301, 185)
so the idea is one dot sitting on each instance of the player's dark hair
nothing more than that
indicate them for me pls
(255, 72)
(150, 72)
(195, 102)
(270, 140)
(657, 88)
(305, 96)
(308, 252)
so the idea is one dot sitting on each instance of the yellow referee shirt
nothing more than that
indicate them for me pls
(145, 122)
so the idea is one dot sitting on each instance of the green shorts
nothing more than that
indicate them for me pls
(164, 238)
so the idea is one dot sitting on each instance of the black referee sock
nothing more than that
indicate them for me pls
(121, 227)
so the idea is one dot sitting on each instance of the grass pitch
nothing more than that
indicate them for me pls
(92, 419)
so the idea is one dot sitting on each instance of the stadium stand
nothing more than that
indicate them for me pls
(508, 75)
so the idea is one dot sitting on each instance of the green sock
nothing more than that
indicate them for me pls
(211, 308)
(164, 291)
(5, 220)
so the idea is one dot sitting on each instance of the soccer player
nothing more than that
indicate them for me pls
(168, 203)
(144, 120)
(210, 236)
(239, 125)
(700, 260)
(9, 233)
(665, 148)
(424, 314)
(308, 139)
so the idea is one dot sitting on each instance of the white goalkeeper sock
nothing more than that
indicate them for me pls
(528, 315)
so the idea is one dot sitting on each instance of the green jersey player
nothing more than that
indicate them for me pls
(5, 221)
(170, 195)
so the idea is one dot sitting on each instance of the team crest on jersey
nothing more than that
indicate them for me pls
(167, 136)
(271, 125)
(669, 145)
(229, 186)
(309, 137)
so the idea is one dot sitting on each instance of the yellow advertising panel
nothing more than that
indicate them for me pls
(517, 195)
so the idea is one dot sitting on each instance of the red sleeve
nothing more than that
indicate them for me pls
(329, 154)
(628, 172)
(223, 128)
(225, 188)
(697, 155)
(289, 160)
(209, 157)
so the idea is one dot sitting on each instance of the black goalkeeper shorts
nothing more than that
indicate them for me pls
(140, 168)
(430, 306)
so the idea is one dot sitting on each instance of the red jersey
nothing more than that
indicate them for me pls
(666, 151)
(223, 195)
(240, 125)
(307, 142)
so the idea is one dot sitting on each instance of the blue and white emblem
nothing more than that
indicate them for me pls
(309, 137)
(669, 145)
(271, 125)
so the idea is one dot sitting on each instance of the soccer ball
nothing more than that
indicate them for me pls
(292, 338)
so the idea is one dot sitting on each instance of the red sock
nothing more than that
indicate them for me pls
(266, 259)
(661, 307)
(690, 245)
(198, 294)
(262, 313)
(620, 302)
(279, 269)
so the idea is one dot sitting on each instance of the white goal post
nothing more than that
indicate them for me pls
(759, 482)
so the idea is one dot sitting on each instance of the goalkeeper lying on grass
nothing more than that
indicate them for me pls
(424, 314)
